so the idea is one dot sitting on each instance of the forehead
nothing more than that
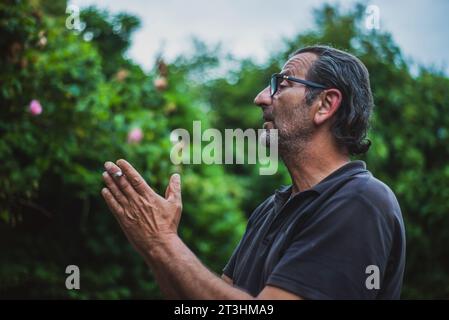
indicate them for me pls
(299, 64)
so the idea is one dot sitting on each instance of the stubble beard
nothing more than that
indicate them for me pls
(295, 137)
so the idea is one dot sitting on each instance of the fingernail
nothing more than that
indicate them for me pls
(107, 165)
(105, 174)
(177, 177)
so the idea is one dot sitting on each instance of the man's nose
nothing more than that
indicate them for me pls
(263, 98)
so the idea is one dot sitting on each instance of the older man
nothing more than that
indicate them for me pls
(335, 233)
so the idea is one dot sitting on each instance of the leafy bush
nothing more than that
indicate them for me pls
(91, 98)
(52, 214)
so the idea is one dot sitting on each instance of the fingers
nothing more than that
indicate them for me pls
(135, 179)
(174, 192)
(112, 203)
(113, 188)
(112, 169)
(122, 182)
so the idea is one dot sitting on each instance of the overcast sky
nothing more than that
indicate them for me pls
(251, 28)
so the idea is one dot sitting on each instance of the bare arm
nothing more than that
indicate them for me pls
(150, 223)
(227, 279)
(194, 281)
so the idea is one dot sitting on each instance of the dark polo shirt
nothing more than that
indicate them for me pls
(319, 243)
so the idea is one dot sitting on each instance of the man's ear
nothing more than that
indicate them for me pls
(328, 104)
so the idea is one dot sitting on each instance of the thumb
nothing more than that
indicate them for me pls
(173, 192)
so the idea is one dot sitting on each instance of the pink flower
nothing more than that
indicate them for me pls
(35, 107)
(135, 135)
(160, 83)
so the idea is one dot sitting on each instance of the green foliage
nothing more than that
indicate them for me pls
(51, 212)
(110, 35)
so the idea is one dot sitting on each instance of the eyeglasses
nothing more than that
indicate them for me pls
(278, 77)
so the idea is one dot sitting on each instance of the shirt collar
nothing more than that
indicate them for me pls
(349, 169)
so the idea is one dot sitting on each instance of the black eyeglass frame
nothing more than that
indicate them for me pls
(274, 83)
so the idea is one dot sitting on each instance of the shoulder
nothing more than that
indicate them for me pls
(373, 196)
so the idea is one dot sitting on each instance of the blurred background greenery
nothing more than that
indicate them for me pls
(70, 101)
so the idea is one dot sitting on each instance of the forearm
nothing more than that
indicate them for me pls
(168, 290)
(177, 268)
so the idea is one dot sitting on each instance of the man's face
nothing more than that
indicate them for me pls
(287, 110)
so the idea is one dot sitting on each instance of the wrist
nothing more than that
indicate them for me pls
(160, 246)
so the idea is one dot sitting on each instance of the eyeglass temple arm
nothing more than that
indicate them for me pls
(309, 83)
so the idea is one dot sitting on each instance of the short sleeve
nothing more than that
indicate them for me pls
(228, 270)
(328, 259)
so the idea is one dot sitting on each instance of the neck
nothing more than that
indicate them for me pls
(312, 162)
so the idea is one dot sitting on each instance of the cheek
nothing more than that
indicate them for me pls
(285, 121)
(285, 112)
(293, 117)
(290, 109)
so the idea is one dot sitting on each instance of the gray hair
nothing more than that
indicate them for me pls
(345, 72)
